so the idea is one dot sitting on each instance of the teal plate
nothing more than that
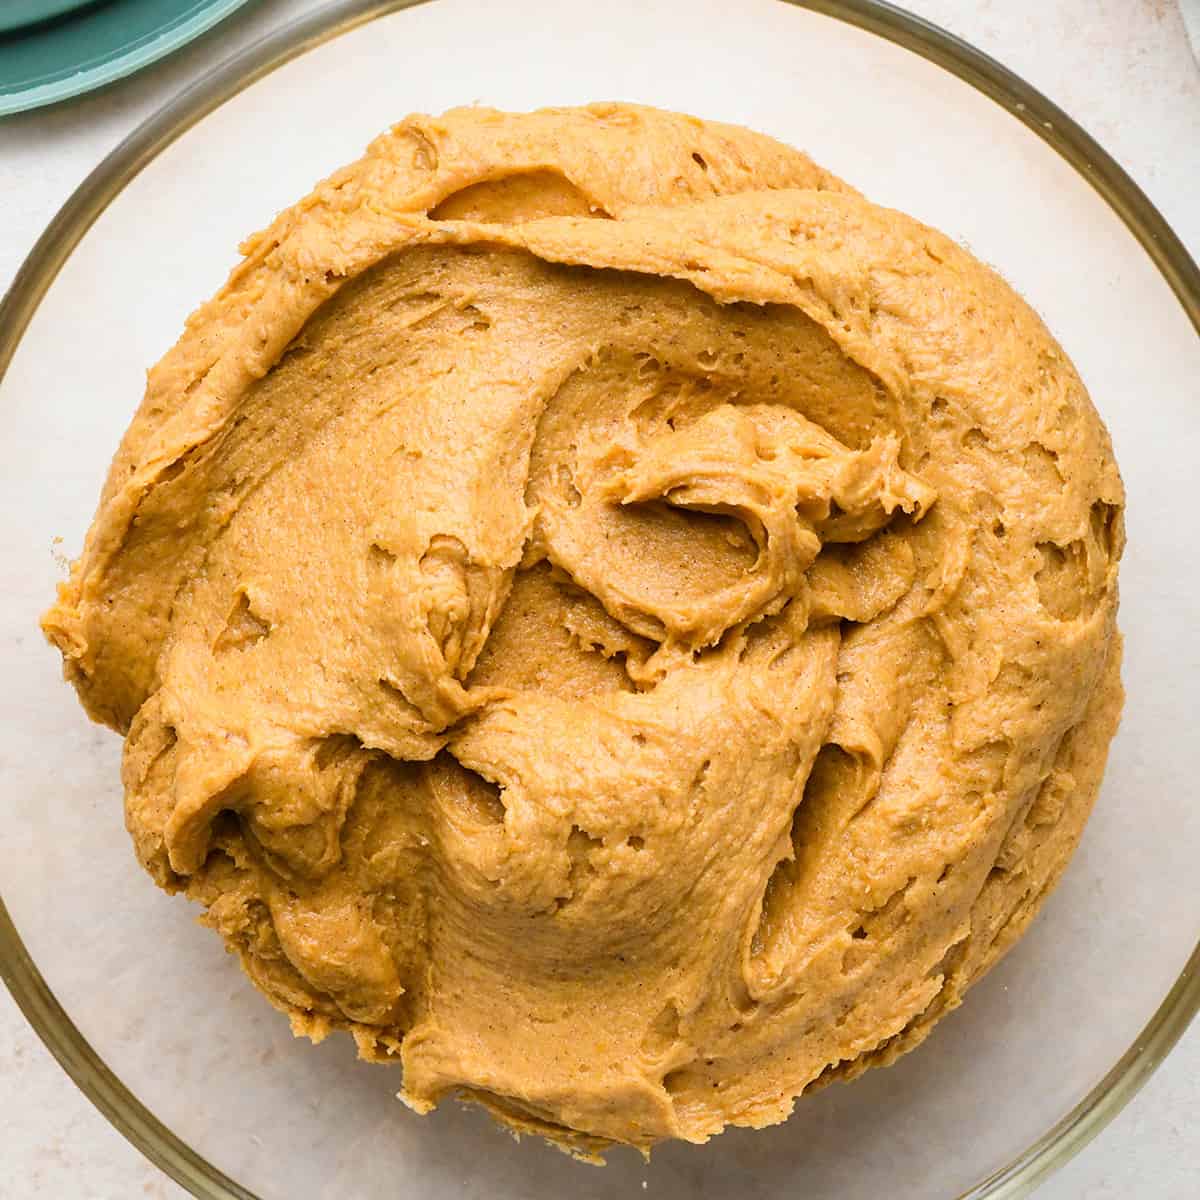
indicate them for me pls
(15, 13)
(86, 49)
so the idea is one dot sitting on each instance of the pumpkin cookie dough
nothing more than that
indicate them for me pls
(608, 616)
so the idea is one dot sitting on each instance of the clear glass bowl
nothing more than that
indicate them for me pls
(142, 1007)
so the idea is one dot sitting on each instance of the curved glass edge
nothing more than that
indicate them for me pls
(122, 1109)
(1062, 133)
(31, 992)
(166, 42)
(1059, 1144)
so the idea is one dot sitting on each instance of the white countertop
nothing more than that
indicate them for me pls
(1123, 68)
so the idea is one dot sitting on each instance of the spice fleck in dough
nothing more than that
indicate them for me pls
(608, 616)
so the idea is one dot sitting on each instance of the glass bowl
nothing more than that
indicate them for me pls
(141, 1006)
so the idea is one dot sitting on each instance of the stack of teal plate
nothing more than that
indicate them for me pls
(53, 49)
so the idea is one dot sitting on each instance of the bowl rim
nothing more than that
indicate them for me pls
(33, 996)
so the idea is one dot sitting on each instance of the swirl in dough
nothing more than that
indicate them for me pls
(608, 616)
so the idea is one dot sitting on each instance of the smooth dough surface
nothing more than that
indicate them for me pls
(609, 616)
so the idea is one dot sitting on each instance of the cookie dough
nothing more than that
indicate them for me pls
(608, 616)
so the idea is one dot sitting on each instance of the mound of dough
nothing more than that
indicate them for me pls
(608, 616)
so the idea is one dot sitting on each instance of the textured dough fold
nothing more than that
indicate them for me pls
(608, 616)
